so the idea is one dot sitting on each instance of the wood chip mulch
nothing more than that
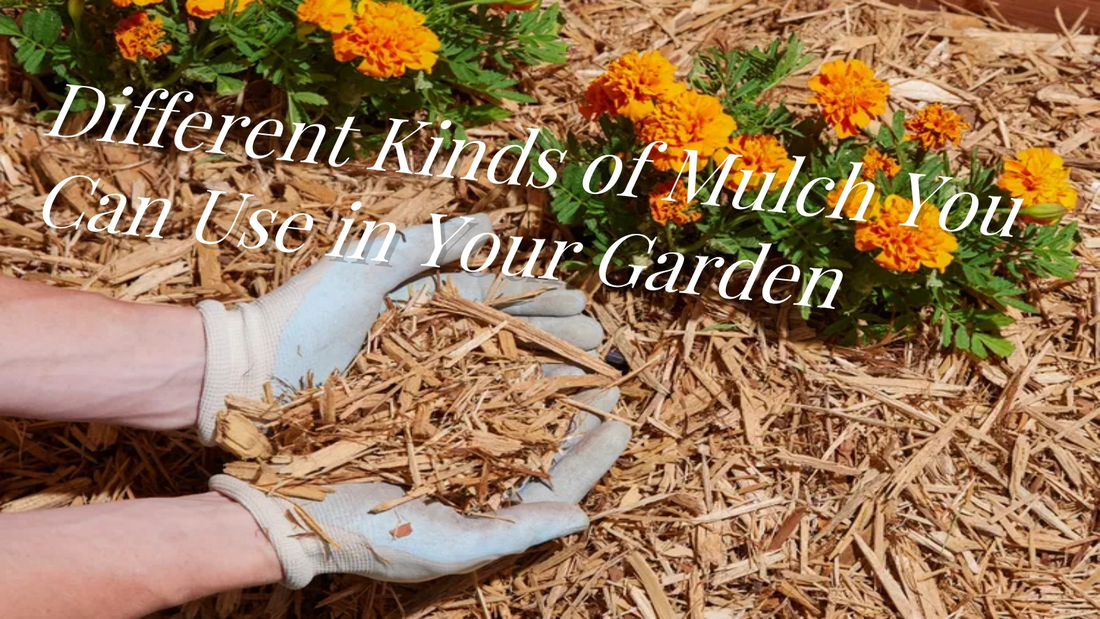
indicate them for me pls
(770, 474)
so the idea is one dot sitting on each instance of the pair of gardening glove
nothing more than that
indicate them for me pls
(316, 324)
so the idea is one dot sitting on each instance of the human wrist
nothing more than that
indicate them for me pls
(182, 362)
(297, 554)
(166, 361)
(246, 544)
(129, 558)
(216, 546)
(159, 349)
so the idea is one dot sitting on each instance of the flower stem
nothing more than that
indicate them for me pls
(141, 71)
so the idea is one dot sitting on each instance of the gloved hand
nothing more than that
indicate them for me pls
(433, 540)
(316, 322)
(424, 539)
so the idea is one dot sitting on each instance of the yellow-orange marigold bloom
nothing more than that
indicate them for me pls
(854, 201)
(138, 35)
(1037, 176)
(690, 121)
(875, 161)
(127, 3)
(678, 210)
(205, 9)
(935, 126)
(330, 15)
(390, 38)
(905, 249)
(632, 86)
(849, 95)
(760, 154)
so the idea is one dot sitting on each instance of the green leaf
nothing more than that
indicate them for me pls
(977, 348)
(201, 73)
(8, 27)
(308, 98)
(32, 58)
(722, 326)
(1000, 346)
(228, 85)
(962, 339)
(43, 27)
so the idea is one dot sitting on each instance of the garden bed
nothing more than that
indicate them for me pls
(769, 473)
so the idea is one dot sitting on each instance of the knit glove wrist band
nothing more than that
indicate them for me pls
(295, 550)
(235, 363)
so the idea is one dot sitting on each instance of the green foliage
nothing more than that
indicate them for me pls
(969, 303)
(740, 77)
(482, 48)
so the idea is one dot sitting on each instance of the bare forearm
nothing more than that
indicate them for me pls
(130, 558)
(77, 356)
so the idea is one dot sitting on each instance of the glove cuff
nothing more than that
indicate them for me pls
(271, 514)
(226, 365)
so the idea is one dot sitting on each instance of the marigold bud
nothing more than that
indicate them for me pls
(76, 10)
(1044, 213)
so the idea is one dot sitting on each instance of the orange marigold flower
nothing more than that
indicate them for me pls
(127, 3)
(330, 15)
(632, 86)
(1037, 176)
(390, 38)
(690, 121)
(760, 154)
(138, 35)
(875, 161)
(205, 9)
(935, 126)
(905, 249)
(849, 95)
(677, 210)
(854, 201)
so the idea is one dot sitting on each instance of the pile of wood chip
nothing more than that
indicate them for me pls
(443, 402)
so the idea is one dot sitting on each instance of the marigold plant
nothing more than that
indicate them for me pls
(631, 87)
(387, 39)
(126, 3)
(138, 35)
(668, 202)
(758, 155)
(686, 121)
(901, 248)
(940, 269)
(875, 162)
(330, 15)
(849, 95)
(207, 9)
(853, 207)
(326, 58)
(1038, 177)
(934, 126)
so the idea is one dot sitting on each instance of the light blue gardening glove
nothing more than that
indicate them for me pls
(316, 323)
(424, 539)
(588, 452)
